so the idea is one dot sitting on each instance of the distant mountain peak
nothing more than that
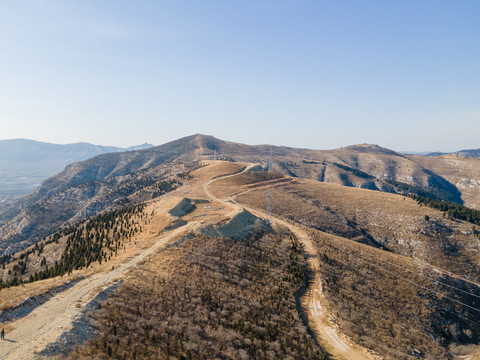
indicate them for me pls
(370, 148)
(469, 153)
(24, 162)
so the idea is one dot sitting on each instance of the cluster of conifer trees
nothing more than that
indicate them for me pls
(97, 239)
(165, 186)
(356, 172)
(452, 210)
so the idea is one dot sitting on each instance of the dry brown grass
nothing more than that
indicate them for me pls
(380, 219)
(380, 299)
(225, 300)
(389, 304)
(13, 296)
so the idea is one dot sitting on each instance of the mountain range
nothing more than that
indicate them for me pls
(25, 163)
(104, 181)
(464, 153)
(204, 248)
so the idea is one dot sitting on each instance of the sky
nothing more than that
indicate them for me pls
(305, 73)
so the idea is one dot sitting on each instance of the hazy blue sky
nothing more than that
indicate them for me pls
(318, 74)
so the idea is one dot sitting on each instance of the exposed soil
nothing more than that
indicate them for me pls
(54, 327)
(337, 345)
(44, 325)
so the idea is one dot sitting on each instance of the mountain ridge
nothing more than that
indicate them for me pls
(475, 153)
(24, 163)
(12, 150)
(105, 180)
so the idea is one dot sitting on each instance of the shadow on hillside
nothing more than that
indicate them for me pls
(302, 311)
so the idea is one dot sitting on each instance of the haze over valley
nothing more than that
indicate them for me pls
(25, 163)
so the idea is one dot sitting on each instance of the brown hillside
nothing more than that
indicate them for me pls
(381, 275)
(388, 221)
(397, 305)
(463, 172)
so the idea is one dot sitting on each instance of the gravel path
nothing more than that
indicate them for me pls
(314, 301)
(83, 328)
(44, 325)
(55, 326)
(30, 304)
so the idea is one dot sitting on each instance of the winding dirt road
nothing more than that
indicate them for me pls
(49, 321)
(45, 324)
(314, 301)
(336, 344)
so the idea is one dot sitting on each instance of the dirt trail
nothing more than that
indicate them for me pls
(334, 342)
(337, 345)
(47, 322)
(211, 181)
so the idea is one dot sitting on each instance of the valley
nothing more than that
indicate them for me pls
(25, 163)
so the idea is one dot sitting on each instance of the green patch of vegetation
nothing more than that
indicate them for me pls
(413, 190)
(186, 175)
(165, 186)
(5, 259)
(358, 173)
(312, 162)
(94, 240)
(452, 210)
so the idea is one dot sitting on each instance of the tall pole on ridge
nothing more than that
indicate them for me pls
(268, 217)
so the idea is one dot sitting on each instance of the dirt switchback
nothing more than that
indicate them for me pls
(337, 345)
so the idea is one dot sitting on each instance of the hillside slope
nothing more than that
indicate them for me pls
(89, 186)
(364, 166)
(395, 282)
(462, 172)
(25, 163)
(382, 220)
(402, 284)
